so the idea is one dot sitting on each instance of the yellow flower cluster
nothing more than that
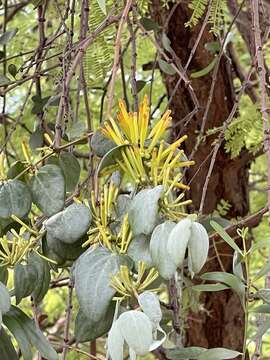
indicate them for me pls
(128, 285)
(148, 160)
(13, 250)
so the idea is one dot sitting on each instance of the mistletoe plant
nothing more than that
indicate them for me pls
(121, 244)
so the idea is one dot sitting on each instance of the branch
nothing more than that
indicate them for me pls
(250, 221)
(259, 61)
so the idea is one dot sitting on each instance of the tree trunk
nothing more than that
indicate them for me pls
(221, 322)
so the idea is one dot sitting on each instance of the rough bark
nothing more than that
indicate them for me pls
(221, 322)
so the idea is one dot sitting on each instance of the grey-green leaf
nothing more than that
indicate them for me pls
(219, 229)
(204, 71)
(100, 144)
(122, 204)
(149, 24)
(110, 157)
(70, 224)
(229, 279)
(3, 274)
(18, 322)
(48, 189)
(166, 68)
(264, 270)
(139, 250)
(25, 279)
(88, 330)
(218, 354)
(210, 287)
(92, 274)
(4, 301)
(190, 353)
(71, 169)
(15, 199)
(7, 36)
(263, 328)
(263, 294)
(43, 277)
(158, 249)
(61, 252)
(143, 211)
(36, 139)
(6, 347)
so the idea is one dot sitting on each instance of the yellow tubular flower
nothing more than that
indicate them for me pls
(102, 217)
(14, 250)
(129, 285)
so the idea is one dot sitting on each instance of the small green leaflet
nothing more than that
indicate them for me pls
(204, 71)
(149, 24)
(228, 279)
(219, 229)
(218, 354)
(210, 287)
(7, 36)
(166, 68)
(102, 5)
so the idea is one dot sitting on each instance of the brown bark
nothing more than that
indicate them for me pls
(221, 322)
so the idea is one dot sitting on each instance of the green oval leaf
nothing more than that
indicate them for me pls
(149, 24)
(88, 330)
(92, 274)
(100, 144)
(139, 250)
(12, 69)
(48, 189)
(6, 347)
(70, 224)
(166, 68)
(36, 139)
(43, 277)
(4, 301)
(150, 305)
(143, 211)
(71, 169)
(7, 36)
(24, 328)
(15, 199)
(25, 279)
(111, 157)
